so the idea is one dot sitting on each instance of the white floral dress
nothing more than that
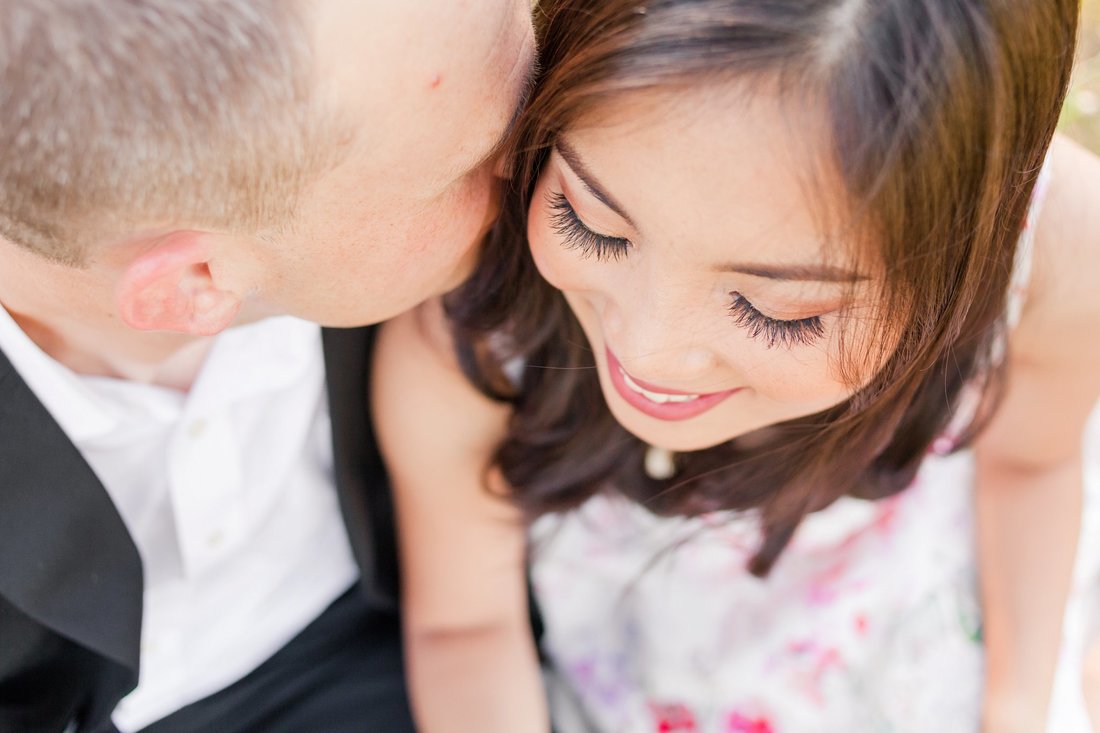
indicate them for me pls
(869, 622)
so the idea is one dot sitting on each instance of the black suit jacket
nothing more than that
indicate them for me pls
(70, 575)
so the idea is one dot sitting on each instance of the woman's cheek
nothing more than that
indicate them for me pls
(801, 378)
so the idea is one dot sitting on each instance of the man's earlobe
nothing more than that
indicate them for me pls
(170, 287)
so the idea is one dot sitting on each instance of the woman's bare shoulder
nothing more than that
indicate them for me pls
(1055, 347)
(1067, 240)
(420, 396)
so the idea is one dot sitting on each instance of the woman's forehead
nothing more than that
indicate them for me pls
(723, 170)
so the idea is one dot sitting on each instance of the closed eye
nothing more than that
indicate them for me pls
(773, 331)
(577, 235)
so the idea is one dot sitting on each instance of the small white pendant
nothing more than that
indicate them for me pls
(660, 464)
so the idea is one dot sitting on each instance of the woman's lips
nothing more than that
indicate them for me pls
(658, 402)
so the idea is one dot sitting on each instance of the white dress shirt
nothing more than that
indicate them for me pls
(228, 493)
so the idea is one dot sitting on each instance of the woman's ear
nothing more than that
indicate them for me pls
(170, 287)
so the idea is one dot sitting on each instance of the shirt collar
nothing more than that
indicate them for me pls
(243, 361)
(73, 404)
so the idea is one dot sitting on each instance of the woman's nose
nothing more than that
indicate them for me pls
(659, 344)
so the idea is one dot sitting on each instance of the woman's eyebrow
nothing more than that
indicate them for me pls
(569, 155)
(816, 273)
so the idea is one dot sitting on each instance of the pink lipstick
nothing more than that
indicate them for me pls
(659, 402)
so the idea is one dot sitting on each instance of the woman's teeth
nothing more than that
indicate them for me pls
(658, 397)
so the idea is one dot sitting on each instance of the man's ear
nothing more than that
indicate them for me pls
(170, 287)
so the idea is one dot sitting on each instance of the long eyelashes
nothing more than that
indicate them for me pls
(564, 220)
(772, 331)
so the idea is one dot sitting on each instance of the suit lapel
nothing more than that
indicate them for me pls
(360, 475)
(66, 558)
(67, 561)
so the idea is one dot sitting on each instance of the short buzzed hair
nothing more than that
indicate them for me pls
(123, 113)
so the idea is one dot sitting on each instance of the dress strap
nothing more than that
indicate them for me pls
(1025, 249)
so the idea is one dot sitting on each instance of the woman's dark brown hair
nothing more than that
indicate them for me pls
(941, 113)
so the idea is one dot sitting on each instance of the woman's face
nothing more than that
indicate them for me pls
(691, 236)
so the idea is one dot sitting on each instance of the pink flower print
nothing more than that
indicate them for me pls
(829, 659)
(669, 717)
(603, 677)
(887, 513)
(820, 660)
(740, 723)
(823, 589)
(860, 622)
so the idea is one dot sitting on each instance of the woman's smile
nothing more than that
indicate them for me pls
(659, 402)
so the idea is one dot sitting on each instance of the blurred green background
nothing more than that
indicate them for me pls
(1081, 117)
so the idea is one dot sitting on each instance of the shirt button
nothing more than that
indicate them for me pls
(215, 538)
(197, 428)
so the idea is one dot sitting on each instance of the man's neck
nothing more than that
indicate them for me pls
(162, 359)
